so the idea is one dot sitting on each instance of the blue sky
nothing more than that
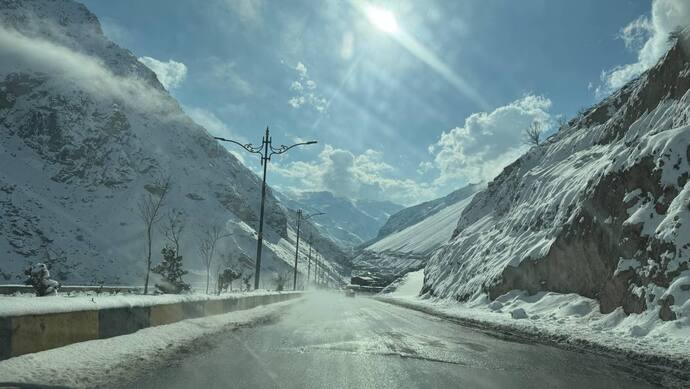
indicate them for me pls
(405, 115)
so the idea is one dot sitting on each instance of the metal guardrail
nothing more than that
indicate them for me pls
(19, 288)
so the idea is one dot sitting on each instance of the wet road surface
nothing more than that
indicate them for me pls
(332, 341)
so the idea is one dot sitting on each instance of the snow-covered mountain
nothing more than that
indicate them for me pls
(85, 131)
(601, 209)
(407, 240)
(416, 213)
(347, 222)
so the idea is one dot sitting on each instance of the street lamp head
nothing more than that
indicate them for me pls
(311, 142)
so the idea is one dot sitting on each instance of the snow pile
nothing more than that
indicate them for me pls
(120, 360)
(601, 209)
(408, 285)
(566, 318)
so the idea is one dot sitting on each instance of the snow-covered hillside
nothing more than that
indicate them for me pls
(416, 213)
(347, 222)
(601, 209)
(408, 248)
(85, 131)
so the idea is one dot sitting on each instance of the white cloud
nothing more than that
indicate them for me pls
(301, 69)
(248, 11)
(487, 142)
(72, 68)
(305, 91)
(649, 38)
(170, 74)
(478, 151)
(296, 86)
(424, 167)
(362, 176)
(224, 75)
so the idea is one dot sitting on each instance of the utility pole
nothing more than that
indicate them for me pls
(309, 259)
(294, 277)
(265, 151)
(299, 218)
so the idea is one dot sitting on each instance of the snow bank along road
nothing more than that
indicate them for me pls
(331, 341)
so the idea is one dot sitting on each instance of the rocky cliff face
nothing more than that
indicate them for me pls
(601, 209)
(85, 129)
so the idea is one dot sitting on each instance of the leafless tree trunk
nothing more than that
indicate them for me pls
(149, 210)
(207, 248)
(533, 134)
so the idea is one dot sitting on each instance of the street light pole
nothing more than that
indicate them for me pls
(265, 151)
(294, 276)
(299, 217)
(309, 258)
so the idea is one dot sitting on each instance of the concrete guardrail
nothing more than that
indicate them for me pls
(32, 333)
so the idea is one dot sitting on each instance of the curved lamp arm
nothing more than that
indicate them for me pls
(282, 148)
(249, 147)
(314, 214)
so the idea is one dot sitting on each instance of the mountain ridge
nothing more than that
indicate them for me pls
(86, 129)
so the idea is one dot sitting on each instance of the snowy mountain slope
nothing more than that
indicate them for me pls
(414, 214)
(347, 222)
(409, 248)
(602, 209)
(85, 131)
(425, 235)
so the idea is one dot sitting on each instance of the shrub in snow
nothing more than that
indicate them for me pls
(39, 278)
(246, 280)
(170, 269)
(226, 278)
(279, 280)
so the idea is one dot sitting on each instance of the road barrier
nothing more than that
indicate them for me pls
(32, 333)
(17, 288)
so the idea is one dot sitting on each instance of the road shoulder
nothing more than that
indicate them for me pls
(670, 369)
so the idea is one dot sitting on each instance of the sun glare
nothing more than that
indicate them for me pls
(382, 19)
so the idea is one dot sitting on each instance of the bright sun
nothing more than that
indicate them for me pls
(382, 19)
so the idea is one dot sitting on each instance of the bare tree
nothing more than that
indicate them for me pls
(173, 229)
(149, 210)
(533, 133)
(246, 280)
(207, 248)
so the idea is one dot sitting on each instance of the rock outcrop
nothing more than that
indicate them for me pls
(601, 209)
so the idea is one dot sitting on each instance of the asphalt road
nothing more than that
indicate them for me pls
(332, 341)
